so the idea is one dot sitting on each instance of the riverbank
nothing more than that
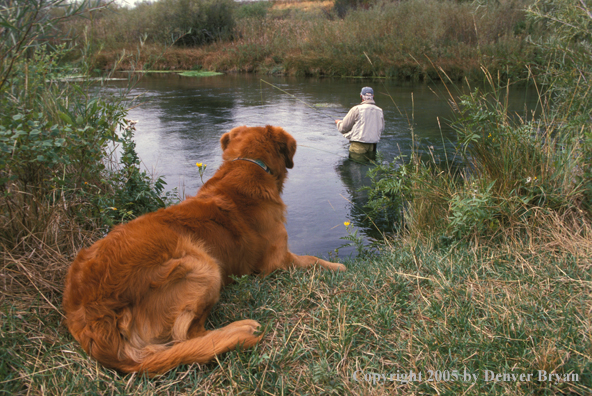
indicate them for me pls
(514, 310)
(412, 40)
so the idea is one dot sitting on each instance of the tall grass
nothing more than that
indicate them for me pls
(518, 170)
(405, 38)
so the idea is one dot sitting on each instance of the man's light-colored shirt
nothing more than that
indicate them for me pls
(363, 123)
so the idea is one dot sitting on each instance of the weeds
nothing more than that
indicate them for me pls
(516, 168)
(400, 36)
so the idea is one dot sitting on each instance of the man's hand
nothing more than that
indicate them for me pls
(337, 122)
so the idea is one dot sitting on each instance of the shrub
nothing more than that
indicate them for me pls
(515, 168)
(184, 22)
(342, 7)
(56, 179)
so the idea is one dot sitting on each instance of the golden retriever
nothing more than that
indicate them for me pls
(137, 300)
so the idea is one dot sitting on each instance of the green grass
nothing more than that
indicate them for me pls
(508, 310)
(200, 73)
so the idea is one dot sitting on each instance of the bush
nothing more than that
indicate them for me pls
(164, 22)
(57, 179)
(516, 169)
(342, 7)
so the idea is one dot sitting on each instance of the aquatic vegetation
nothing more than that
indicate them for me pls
(200, 73)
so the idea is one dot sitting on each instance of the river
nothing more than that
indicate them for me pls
(181, 120)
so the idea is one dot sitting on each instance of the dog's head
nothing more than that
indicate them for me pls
(270, 144)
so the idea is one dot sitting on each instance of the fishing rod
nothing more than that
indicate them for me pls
(302, 101)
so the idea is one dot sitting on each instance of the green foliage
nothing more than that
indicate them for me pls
(204, 21)
(355, 240)
(515, 168)
(342, 7)
(134, 192)
(253, 10)
(391, 188)
(26, 24)
(567, 76)
(408, 40)
(55, 172)
(183, 22)
(473, 213)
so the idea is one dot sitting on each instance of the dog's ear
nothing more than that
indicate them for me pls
(224, 140)
(287, 146)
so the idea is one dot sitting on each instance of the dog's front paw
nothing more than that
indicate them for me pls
(339, 267)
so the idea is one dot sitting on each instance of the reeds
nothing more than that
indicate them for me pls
(401, 36)
(519, 171)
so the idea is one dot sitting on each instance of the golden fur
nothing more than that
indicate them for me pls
(137, 300)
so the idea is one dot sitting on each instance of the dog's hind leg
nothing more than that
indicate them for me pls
(177, 308)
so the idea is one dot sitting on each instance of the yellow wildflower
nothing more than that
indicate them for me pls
(346, 223)
(198, 164)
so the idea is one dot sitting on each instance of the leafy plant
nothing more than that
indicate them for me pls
(515, 168)
(390, 189)
(55, 174)
(253, 9)
(134, 192)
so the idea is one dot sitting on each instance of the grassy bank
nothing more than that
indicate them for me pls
(489, 274)
(410, 40)
(515, 309)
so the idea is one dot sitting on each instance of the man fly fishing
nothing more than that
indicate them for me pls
(362, 126)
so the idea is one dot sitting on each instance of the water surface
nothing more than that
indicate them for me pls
(181, 120)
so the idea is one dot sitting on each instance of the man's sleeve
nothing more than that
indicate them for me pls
(345, 125)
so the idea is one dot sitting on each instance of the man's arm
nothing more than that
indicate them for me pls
(345, 125)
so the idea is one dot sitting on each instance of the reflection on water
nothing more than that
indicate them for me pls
(182, 119)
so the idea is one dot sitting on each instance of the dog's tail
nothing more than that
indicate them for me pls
(203, 348)
(112, 350)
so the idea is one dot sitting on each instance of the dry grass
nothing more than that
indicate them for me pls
(518, 308)
(306, 38)
(303, 5)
